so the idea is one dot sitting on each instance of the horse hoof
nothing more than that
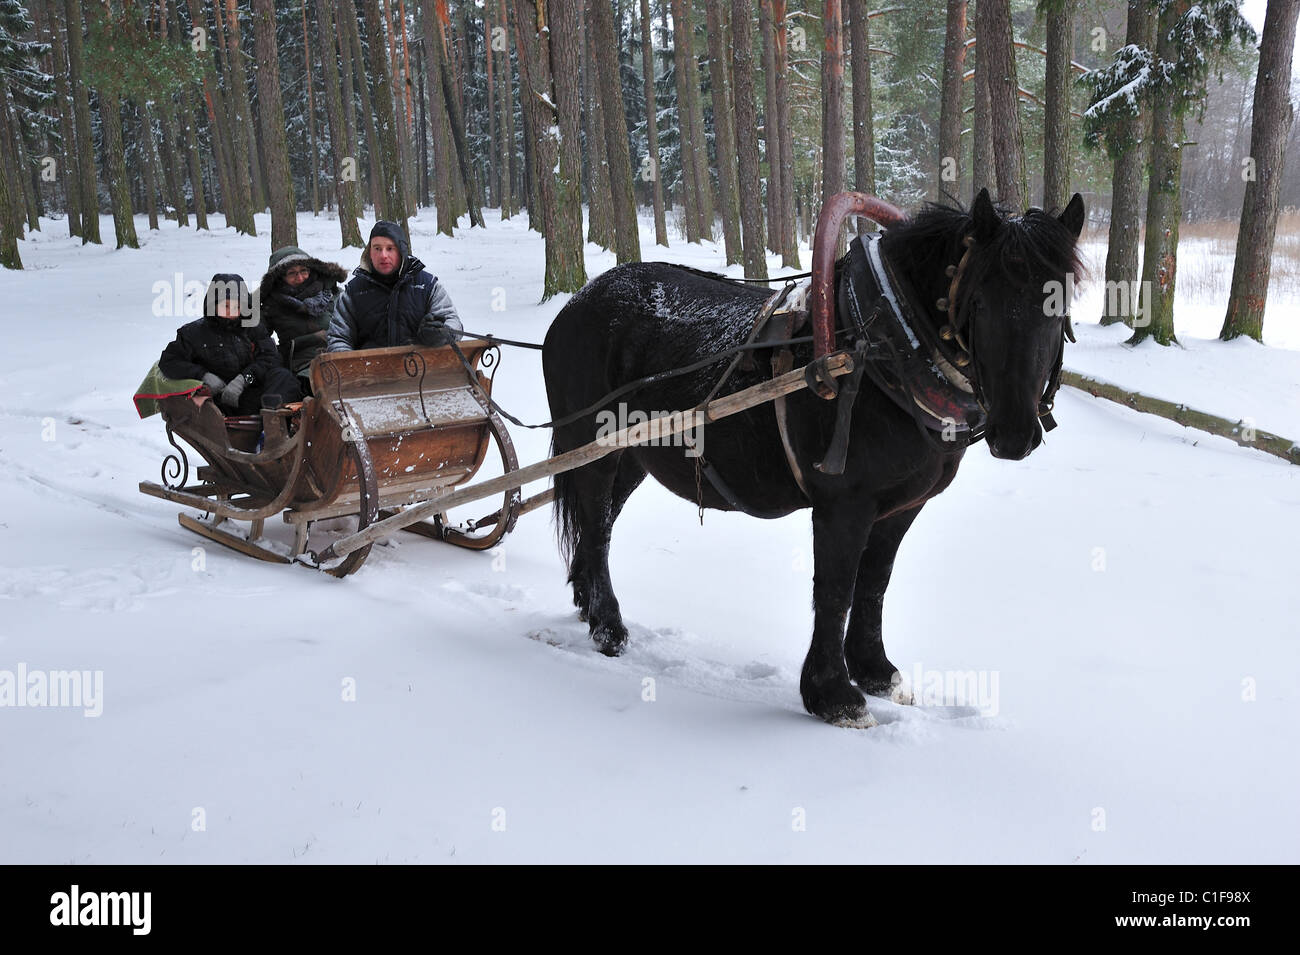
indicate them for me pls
(862, 722)
(900, 694)
(610, 640)
(895, 691)
(839, 706)
(891, 689)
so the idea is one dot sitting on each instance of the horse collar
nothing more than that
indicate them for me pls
(924, 374)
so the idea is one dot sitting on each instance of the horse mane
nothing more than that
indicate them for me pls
(1027, 246)
(703, 273)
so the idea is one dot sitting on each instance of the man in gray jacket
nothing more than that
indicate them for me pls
(391, 299)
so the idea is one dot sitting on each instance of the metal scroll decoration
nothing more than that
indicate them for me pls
(490, 359)
(332, 379)
(175, 464)
(414, 364)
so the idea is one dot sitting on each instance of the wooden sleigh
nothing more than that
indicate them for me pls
(387, 429)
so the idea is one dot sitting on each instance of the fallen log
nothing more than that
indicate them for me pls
(1241, 432)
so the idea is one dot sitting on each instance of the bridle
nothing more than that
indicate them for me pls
(960, 330)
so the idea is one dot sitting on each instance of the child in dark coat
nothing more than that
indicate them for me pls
(237, 361)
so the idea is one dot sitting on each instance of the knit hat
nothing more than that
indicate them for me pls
(388, 230)
(227, 287)
(289, 253)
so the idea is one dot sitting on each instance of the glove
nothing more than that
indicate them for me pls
(234, 389)
(439, 335)
(215, 384)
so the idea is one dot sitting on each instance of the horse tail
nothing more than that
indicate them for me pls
(568, 530)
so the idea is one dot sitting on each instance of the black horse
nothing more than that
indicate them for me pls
(999, 329)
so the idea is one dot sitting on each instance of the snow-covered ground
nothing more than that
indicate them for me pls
(1122, 604)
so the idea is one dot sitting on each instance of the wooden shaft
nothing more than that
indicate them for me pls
(653, 430)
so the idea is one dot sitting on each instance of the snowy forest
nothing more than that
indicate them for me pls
(738, 118)
(1094, 642)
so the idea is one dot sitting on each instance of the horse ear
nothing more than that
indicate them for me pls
(985, 218)
(1072, 217)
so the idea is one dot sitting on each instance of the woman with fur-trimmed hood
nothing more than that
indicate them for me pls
(297, 303)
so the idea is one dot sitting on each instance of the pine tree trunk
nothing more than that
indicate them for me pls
(69, 172)
(339, 146)
(510, 202)
(864, 138)
(600, 201)
(313, 159)
(771, 131)
(357, 67)
(279, 178)
(565, 269)
(1270, 125)
(982, 174)
(609, 88)
(449, 90)
(233, 203)
(564, 17)
(188, 142)
(525, 43)
(442, 197)
(22, 198)
(833, 105)
(652, 124)
(221, 148)
(724, 135)
(1164, 200)
(9, 257)
(490, 89)
(149, 168)
(682, 55)
(422, 102)
(400, 117)
(789, 236)
(994, 30)
(347, 89)
(238, 201)
(171, 153)
(950, 112)
(247, 165)
(119, 185)
(742, 64)
(1128, 151)
(1056, 120)
(81, 111)
(393, 186)
(699, 138)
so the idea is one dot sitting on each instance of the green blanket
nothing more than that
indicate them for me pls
(156, 385)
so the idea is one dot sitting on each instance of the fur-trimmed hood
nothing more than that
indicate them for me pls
(329, 273)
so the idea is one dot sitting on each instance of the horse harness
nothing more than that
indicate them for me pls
(929, 377)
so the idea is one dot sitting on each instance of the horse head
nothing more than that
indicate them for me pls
(1008, 306)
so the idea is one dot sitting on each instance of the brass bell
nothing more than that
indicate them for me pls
(950, 271)
(946, 333)
(962, 361)
(941, 305)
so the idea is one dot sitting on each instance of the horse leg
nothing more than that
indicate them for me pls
(839, 537)
(864, 646)
(600, 501)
